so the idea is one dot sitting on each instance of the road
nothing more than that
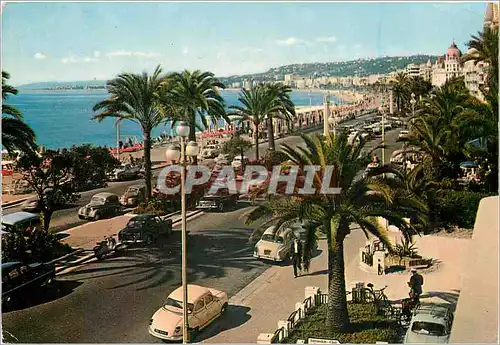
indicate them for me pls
(68, 217)
(112, 301)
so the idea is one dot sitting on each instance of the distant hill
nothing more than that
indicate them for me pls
(62, 85)
(359, 67)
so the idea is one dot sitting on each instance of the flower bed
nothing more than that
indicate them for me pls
(366, 326)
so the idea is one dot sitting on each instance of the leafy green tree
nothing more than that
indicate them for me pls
(286, 111)
(418, 86)
(192, 96)
(135, 97)
(236, 146)
(400, 91)
(16, 134)
(50, 175)
(360, 201)
(257, 105)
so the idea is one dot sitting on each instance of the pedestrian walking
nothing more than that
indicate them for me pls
(296, 256)
(416, 282)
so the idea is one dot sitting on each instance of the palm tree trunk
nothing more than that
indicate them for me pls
(337, 315)
(192, 137)
(46, 216)
(147, 161)
(256, 141)
(270, 133)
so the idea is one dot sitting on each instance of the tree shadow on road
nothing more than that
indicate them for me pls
(235, 316)
(56, 290)
(209, 254)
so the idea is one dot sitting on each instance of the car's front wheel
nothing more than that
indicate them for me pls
(97, 216)
(221, 207)
(223, 309)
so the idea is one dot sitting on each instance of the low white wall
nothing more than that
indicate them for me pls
(476, 315)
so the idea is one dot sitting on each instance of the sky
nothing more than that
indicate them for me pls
(84, 41)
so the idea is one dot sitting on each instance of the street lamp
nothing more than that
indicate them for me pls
(332, 121)
(413, 101)
(381, 110)
(176, 153)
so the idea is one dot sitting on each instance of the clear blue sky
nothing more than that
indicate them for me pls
(81, 41)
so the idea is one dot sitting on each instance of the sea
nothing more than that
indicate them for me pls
(64, 118)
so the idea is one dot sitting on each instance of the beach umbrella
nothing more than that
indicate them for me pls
(468, 165)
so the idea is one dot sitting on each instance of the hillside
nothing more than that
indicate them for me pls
(360, 67)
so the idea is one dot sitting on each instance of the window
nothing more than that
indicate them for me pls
(429, 328)
(199, 305)
(208, 299)
(13, 274)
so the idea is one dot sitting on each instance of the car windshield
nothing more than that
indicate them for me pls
(136, 223)
(272, 238)
(132, 191)
(172, 304)
(428, 328)
(97, 200)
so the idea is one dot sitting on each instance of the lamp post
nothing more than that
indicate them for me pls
(176, 153)
(413, 101)
(381, 109)
(326, 113)
(332, 121)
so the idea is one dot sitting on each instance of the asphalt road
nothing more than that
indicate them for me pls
(112, 301)
(68, 217)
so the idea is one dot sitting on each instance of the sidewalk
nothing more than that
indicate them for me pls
(273, 295)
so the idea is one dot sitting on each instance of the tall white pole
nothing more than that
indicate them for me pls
(185, 328)
(118, 140)
(326, 115)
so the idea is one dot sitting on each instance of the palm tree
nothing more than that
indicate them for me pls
(360, 201)
(257, 105)
(16, 134)
(485, 49)
(189, 96)
(135, 97)
(400, 90)
(282, 99)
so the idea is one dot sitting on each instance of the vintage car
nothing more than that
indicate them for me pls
(20, 222)
(222, 159)
(210, 151)
(125, 172)
(238, 161)
(145, 228)
(19, 280)
(219, 201)
(274, 245)
(429, 324)
(101, 205)
(133, 196)
(204, 306)
(404, 134)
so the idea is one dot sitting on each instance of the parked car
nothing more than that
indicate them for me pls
(125, 172)
(145, 228)
(19, 280)
(404, 134)
(101, 205)
(204, 306)
(210, 151)
(430, 324)
(222, 159)
(133, 196)
(219, 201)
(238, 161)
(274, 245)
(20, 222)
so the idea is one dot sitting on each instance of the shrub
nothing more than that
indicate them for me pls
(366, 326)
(458, 208)
(158, 205)
(37, 246)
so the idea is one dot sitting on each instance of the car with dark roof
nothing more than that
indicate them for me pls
(101, 205)
(20, 222)
(145, 228)
(20, 280)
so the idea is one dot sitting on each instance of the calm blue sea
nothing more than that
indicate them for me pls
(63, 118)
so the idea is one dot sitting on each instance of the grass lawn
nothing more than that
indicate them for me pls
(366, 326)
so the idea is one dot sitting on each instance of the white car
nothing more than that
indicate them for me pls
(404, 134)
(430, 324)
(274, 245)
(210, 151)
(238, 161)
(204, 306)
(222, 159)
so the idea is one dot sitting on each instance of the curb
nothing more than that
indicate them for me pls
(14, 203)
